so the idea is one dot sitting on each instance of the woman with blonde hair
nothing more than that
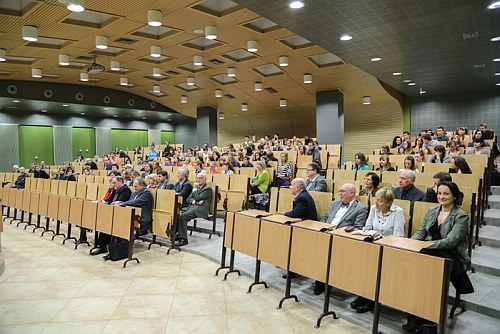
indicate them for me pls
(153, 181)
(385, 164)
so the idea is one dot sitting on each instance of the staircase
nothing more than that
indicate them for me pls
(486, 262)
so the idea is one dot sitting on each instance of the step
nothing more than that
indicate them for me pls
(494, 201)
(485, 298)
(485, 259)
(492, 217)
(495, 190)
(489, 235)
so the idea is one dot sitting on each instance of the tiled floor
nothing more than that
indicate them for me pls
(51, 288)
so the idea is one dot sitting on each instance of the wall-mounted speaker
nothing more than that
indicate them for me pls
(131, 102)
(79, 96)
(12, 89)
(152, 104)
(106, 99)
(48, 93)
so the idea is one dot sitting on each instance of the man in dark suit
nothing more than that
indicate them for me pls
(183, 187)
(315, 182)
(198, 207)
(21, 179)
(40, 173)
(120, 193)
(141, 198)
(346, 211)
(164, 182)
(303, 204)
(407, 189)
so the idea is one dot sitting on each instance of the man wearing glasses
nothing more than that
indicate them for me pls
(198, 207)
(315, 182)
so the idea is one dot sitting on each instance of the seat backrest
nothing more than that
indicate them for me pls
(436, 167)
(54, 187)
(419, 210)
(302, 173)
(43, 204)
(344, 174)
(304, 160)
(76, 212)
(250, 171)
(92, 192)
(34, 202)
(273, 200)
(285, 200)
(322, 201)
(165, 200)
(405, 205)
(390, 177)
(364, 200)
(333, 161)
(26, 200)
(476, 158)
(46, 185)
(63, 188)
(71, 189)
(221, 180)
(239, 182)
(334, 149)
(64, 208)
(53, 206)
(215, 198)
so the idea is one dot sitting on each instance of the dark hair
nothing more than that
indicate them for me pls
(315, 166)
(442, 176)
(406, 132)
(375, 178)
(361, 156)
(440, 127)
(394, 144)
(455, 191)
(462, 165)
(441, 150)
(118, 178)
(260, 147)
(412, 160)
(427, 137)
(163, 173)
(479, 140)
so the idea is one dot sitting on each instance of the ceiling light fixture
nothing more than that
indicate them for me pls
(82, 113)
(218, 93)
(75, 5)
(244, 107)
(495, 39)
(210, 32)
(396, 73)
(156, 89)
(154, 18)
(407, 80)
(44, 110)
(84, 77)
(36, 73)
(115, 65)
(184, 99)
(155, 51)
(496, 59)
(197, 60)
(498, 84)
(252, 46)
(296, 4)
(16, 101)
(367, 100)
(282, 102)
(101, 42)
(190, 81)
(375, 59)
(308, 78)
(157, 72)
(283, 60)
(345, 37)
(258, 86)
(221, 115)
(498, 73)
(422, 92)
(63, 60)
(231, 72)
(2, 55)
(494, 5)
(30, 33)
(65, 105)
(123, 81)
(411, 84)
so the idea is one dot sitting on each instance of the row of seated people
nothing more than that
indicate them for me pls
(445, 226)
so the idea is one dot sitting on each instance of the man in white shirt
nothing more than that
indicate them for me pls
(347, 210)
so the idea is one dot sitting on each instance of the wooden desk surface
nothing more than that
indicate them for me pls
(313, 225)
(281, 219)
(254, 213)
(403, 243)
(342, 233)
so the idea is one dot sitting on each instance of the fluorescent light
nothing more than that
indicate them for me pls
(123, 81)
(218, 93)
(76, 5)
(496, 59)
(2, 55)
(374, 59)
(197, 60)
(258, 86)
(65, 105)
(367, 100)
(63, 60)
(345, 37)
(211, 32)
(407, 80)
(154, 18)
(115, 65)
(396, 73)
(43, 110)
(155, 51)
(296, 4)
(252, 46)
(411, 84)
(82, 113)
(84, 77)
(244, 107)
(184, 99)
(282, 102)
(16, 101)
(157, 72)
(494, 5)
(308, 78)
(101, 42)
(30, 33)
(231, 72)
(498, 73)
(495, 39)
(36, 73)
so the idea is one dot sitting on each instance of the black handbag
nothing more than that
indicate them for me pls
(118, 249)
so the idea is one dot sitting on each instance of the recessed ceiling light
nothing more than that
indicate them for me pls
(296, 4)
(198, 31)
(106, 108)
(494, 5)
(65, 105)
(82, 113)
(345, 37)
(16, 101)
(498, 73)
(411, 84)
(115, 116)
(498, 84)
(169, 114)
(374, 59)
(495, 39)
(235, 115)
(169, 120)
(43, 110)
(144, 118)
(75, 5)
(396, 73)
(407, 80)
(496, 59)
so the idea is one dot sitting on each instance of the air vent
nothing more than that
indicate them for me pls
(125, 41)
(229, 96)
(271, 90)
(470, 35)
(89, 58)
(217, 61)
(172, 72)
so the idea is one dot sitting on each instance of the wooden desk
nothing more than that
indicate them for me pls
(342, 233)
(281, 219)
(403, 243)
(246, 231)
(104, 221)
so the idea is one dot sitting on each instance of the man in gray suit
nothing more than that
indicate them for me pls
(407, 189)
(198, 207)
(315, 182)
(164, 182)
(141, 198)
(347, 210)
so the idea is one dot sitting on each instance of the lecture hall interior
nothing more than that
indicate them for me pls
(244, 166)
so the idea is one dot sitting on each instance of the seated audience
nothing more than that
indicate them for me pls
(314, 151)
(360, 162)
(303, 204)
(479, 135)
(407, 189)
(462, 133)
(148, 169)
(69, 175)
(91, 164)
(227, 168)
(431, 193)
(459, 165)
(439, 155)
(429, 142)
(183, 186)
(153, 153)
(40, 173)
(315, 182)
(453, 148)
(21, 179)
(441, 134)
(478, 147)
(372, 181)
(284, 171)
(385, 150)
(410, 164)
(397, 142)
(260, 183)
(133, 175)
(246, 162)
(487, 133)
(198, 206)
(141, 198)
(405, 148)
(384, 164)
(419, 144)
(163, 181)
(152, 181)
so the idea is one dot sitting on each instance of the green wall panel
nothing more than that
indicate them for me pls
(128, 139)
(36, 141)
(167, 135)
(83, 139)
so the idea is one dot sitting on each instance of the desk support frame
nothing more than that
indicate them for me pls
(326, 303)
(131, 241)
(257, 280)
(288, 286)
(376, 312)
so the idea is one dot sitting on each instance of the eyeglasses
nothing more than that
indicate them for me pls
(310, 170)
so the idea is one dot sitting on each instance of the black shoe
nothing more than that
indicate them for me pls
(427, 329)
(319, 288)
(367, 306)
(357, 303)
(410, 326)
(106, 258)
(98, 250)
(181, 242)
(292, 275)
(142, 233)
